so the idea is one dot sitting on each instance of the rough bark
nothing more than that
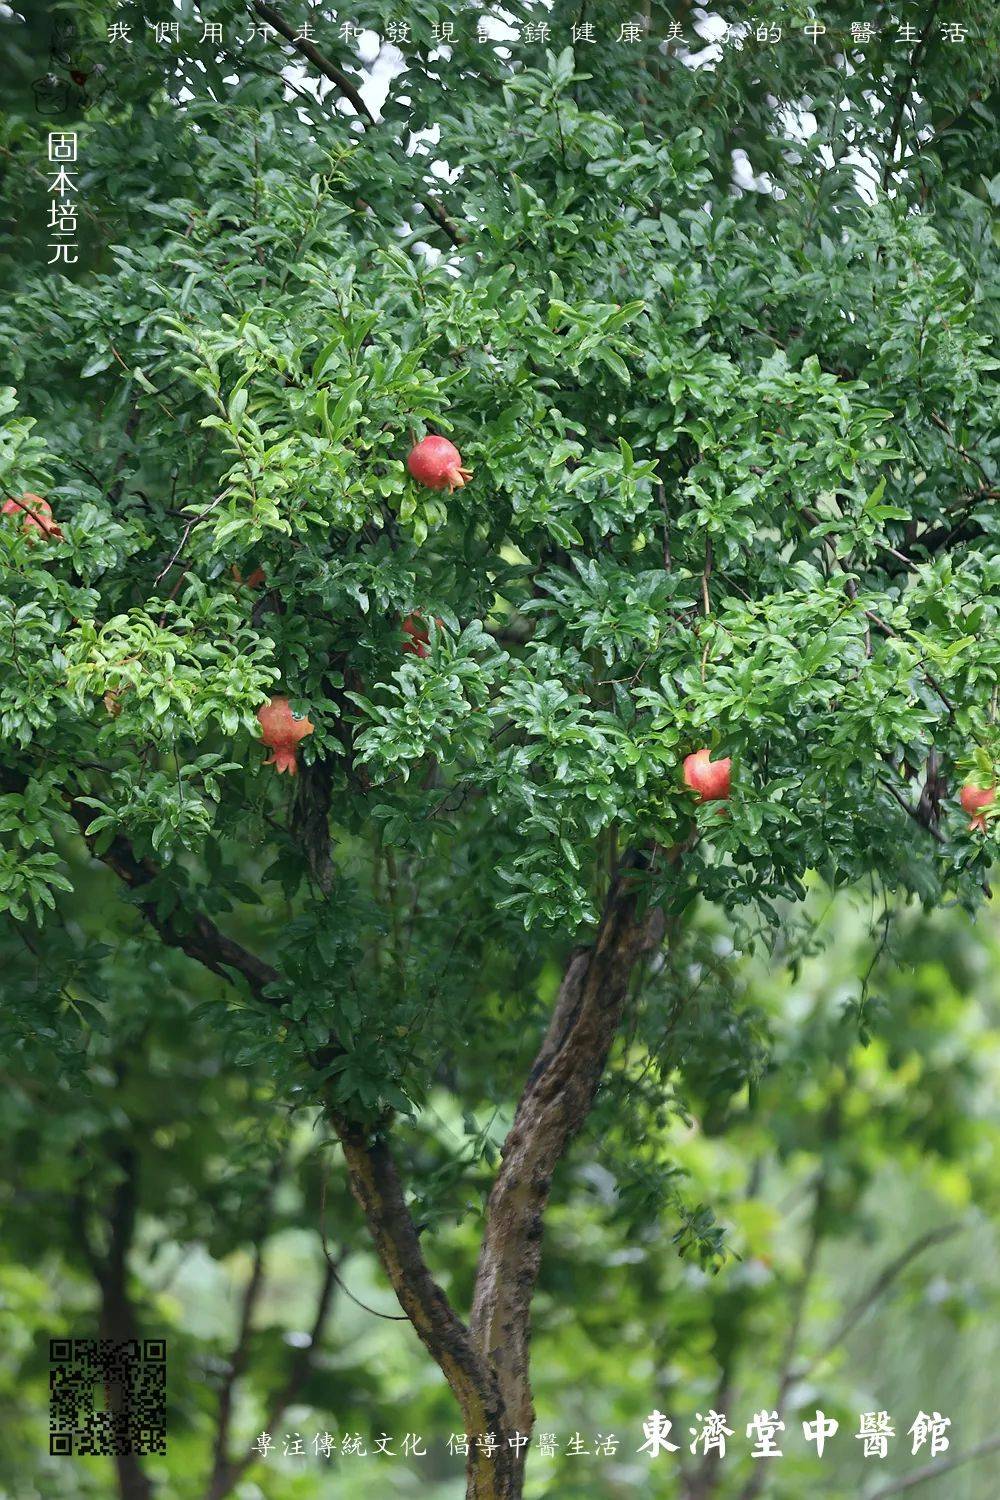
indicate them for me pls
(311, 821)
(377, 1187)
(553, 1106)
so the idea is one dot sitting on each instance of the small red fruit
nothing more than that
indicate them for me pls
(438, 464)
(281, 732)
(36, 513)
(419, 636)
(709, 778)
(973, 799)
(253, 580)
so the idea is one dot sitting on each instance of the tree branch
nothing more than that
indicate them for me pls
(303, 1358)
(486, 1364)
(348, 89)
(376, 1185)
(372, 1171)
(931, 1471)
(699, 1483)
(118, 1321)
(228, 1473)
(904, 98)
(321, 63)
(880, 625)
(81, 1229)
(195, 934)
(814, 1242)
(311, 820)
(911, 812)
(879, 1287)
(553, 1105)
(191, 932)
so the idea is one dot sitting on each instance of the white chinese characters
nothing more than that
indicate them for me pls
(62, 216)
(710, 1440)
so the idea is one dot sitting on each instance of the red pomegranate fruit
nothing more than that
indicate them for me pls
(438, 464)
(36, 514)
(709, 778)
(973, 800)
(254, 579)
(418, 636)
(281, 732)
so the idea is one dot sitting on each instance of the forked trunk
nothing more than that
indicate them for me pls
(499, 1476)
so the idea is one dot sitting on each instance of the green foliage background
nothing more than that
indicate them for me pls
(623, 1324)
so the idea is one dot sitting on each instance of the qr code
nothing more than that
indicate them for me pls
(107, 1398)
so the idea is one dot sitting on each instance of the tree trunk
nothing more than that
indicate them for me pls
(118, 1322)
(553, 1106)
(486, 1363)
(500, 1477)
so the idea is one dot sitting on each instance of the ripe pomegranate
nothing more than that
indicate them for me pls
(281, 732)
(253, 580)
(709, 778)
(419, 636)
(438, 464)
(973, 799)
(36, 512)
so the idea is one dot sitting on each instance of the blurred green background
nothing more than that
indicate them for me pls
(853, 1183)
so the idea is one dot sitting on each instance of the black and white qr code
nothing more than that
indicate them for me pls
(107, 1398)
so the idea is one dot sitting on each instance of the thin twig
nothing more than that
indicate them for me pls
(323, 64)
(187, 532)
(904, 98)
(931, 1471)
(334, 1265)
(153, 391)
(339, 78)
(911, 812)
(241, 1351)
(970, 458)
(230, 1471)
(883, 1281)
